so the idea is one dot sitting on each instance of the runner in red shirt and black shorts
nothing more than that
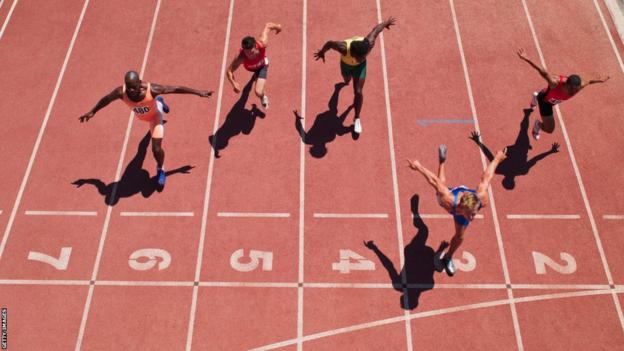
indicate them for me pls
(560, 88)
(252, 55)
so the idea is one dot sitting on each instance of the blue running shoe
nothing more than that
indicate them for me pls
(165, 107)
(160, 174)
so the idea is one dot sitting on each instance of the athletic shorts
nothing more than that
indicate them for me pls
(545, 107)
(262, 72)
(358, 71)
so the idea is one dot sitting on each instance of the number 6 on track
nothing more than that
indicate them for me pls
(255, 257)
(152, 256)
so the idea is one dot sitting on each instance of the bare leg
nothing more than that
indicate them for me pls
(358, 98)
(456, 241)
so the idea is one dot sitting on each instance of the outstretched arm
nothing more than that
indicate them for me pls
(551, 79)
(339, 46)
(372, 36)
(553, 150)
(112, 96)
(264, 37)
(432, 179)
(158, 89)
(488, 174)
(476, 137)
(600, 79)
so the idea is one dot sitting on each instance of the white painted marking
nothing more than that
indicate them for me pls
(33, 154)
(157, 214)
(346, 264)
(109, 209)
(202, 234)
(577, 173)
(50, 282)
(255, 257)
(499, 237)
(613, 217)
(618, 20)
(146, 259)
(8, 17)
(300, 273)
(59, 263)
(350, 215)
(442, 216)
(60, 213)
(249, 284)
(142, 283)
(541, 216)
(1, 3)
(467, 263)
(541, 261)
(254, 214)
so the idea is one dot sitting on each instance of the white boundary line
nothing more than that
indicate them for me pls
(350, 215)
(33, 154)
(301, 232)
(539, 216)
(442, 216)
(395, 182)
(157, 214)
(1, 3)
(202, 233)
(617, 20)
(577, 173)
(142, 283)
(109, 208)
(613, 217)
(499, 237)
(60, 213)
(254, 214)
(6, 20)
(249, 285)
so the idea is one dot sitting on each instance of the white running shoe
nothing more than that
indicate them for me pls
(442, 153)
(357, 128)
(536, 130)
(265, 102)
(534, 99)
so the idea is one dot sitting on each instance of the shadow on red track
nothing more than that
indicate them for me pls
(134, 179)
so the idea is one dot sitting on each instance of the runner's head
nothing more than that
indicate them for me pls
(573, 84)
(359, 49)
(469, 205)
(133, 83)
(249, 45)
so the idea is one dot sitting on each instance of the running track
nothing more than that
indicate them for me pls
(445, 69)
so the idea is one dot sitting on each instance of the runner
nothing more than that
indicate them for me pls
(560, 88)
(252, 55)
(353, 53)
(463, 203)
(143, 98)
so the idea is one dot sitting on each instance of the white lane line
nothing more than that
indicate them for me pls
(142, 283)
(60, 213)
(499, 236)
(300, 272)
(538, 216)
(0, 212)
(561, 286)
(442, 216)
(6, 20)
(350, 215)
(395, 182)
(425, 314)
(157, 214)
(202, 233)
(577, 173)
(109, 209)
(33, 154)
(1, 3)
(254, 214)
(618, 20)
(249, 284)
(42, 282)
(613, 217)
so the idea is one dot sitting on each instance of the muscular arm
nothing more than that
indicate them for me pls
(431, 178)
(488, 174)
(339, 46)
(158, 89)
(264, 37)
(230, 72)
(107, 99)
(551, 79)
(372, 36)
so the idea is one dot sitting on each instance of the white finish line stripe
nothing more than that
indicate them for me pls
(254, 214)
(60, 213)
(616, 217)
(537, 216)
(157, 214)
(440, 216)
(350, 215)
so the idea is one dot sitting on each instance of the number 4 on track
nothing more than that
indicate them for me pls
(346, 265)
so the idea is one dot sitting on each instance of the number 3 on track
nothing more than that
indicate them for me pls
(345, 265)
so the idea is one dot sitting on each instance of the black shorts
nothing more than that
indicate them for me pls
(545, 107)
(262, 72)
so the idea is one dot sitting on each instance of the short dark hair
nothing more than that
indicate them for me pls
(574, 80)
(248, 43)
(360, 48)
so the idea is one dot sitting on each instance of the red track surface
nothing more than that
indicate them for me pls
(203, 301)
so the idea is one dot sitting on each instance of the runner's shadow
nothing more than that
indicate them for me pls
(327, 125)
(517, 162)
(418, 269)
(134, 179)
(238, 120)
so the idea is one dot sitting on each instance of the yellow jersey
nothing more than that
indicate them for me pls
(348, 59)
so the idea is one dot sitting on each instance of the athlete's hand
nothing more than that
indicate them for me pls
(277, 28)
(389, 22)
(206, 93)
(237, 88)
(522, 54)
(319, 55)
(501, 154)
(554, 147)
(297, 116)
(475, 136)
(86, 117)
(370, 244)
(603, 78)
(413, 164)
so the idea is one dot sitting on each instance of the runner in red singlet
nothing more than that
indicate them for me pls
(560, 88)
(252, 55)
(143, 98)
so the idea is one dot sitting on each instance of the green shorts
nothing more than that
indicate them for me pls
(358, 71)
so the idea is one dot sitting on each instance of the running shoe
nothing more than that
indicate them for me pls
(160, 174)
(536, 130)
(357, 128)
(442, 153)
(449, 266)
(165, 107)
(437, 261)
(534, 99)
(265, 102)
